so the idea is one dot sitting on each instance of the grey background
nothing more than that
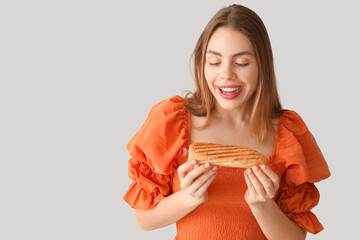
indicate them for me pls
(77, 79)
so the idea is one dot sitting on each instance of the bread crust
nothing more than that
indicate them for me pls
(225, 155)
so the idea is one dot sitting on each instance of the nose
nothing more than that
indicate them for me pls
(227, 72)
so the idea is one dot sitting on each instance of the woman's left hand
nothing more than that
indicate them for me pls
(262, 184)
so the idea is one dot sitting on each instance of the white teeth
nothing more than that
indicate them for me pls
(229, 89)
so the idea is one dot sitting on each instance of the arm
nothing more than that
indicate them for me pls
(275, 224)
(262, 186)
(169, 210)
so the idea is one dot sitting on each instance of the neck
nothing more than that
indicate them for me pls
(234, 118)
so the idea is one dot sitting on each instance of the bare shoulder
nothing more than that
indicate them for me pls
(198, 135)
(197, 121)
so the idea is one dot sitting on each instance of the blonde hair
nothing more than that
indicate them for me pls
(264, 104)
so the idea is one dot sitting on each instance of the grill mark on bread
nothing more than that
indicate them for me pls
(226, 155)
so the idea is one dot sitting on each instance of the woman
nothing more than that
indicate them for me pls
(235, 102)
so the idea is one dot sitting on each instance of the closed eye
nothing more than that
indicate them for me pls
(241, 65)
(237, 64)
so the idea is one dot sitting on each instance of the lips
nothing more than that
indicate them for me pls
(228, 86)
(231, 95)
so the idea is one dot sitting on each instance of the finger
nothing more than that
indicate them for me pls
(191, 176)
(202, 179)
(248, 182)
(272, 175)
(182, 170)
(264, 180)
(206, 185)
(198, 171)
(255, 182)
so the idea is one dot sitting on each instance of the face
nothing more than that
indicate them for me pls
(231, 69)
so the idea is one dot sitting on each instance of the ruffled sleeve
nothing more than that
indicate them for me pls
(302, 164)
(154, 152)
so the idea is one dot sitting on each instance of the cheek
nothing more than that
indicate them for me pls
(210, 75)
(206, 71)
(252, 76)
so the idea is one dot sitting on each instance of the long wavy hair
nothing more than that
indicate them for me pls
(264, 103)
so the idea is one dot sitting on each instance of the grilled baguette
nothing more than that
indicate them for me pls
(225, 155)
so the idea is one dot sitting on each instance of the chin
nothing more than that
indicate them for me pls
(229, 106)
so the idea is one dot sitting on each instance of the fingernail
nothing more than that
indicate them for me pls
(249, 171)
(207, 165)
(256, 168)
(214, 168)
(263, 167)
(193, 162)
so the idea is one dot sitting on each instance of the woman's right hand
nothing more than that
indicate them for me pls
(196, 182)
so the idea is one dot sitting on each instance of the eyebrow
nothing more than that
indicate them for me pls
(235, 55)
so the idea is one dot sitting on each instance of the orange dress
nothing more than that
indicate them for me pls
(161, 145)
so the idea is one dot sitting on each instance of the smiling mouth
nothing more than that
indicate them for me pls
(229, 91)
